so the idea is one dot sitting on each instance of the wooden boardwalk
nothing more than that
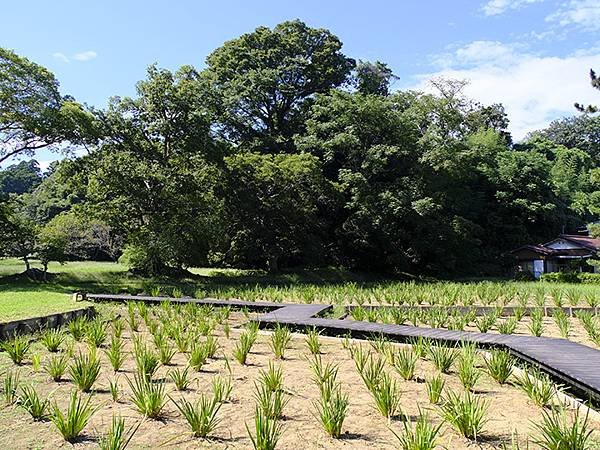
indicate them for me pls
(575, 365)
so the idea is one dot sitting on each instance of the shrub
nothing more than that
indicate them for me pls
(267, 431)
(466, 413)
(405, 361)
(434, 387)
(200, 416)
(84, 370)
(56, 366)
(499, 365)
(52, 339)
(117, 437)
(280, 340)
(560, 277)
(31, 402)
(556, 432)
(422, 437)
(149, 398)
(17, 348)
(76, 418)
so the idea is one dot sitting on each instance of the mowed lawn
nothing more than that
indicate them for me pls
(23, 304)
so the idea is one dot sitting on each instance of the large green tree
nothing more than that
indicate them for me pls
(154, 175)
(275, 208)
(260, 84)
(33, 113)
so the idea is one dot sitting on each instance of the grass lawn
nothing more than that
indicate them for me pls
(22, 304)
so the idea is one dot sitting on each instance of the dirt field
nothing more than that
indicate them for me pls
(509, 412)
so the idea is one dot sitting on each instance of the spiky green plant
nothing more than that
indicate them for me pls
(466, 413)
(118, 326)
(31, 402)
(387, 396)
(434, 387)
(373, 371)
(212, 346)
(332, 411)
(272, 378)
(423, 436)
(280, 340)
(200, 416)
(132, 319)
(557, 432)
(198, 356)
(117, 437)
(149, 398)
(442, 357)
(536, 326)
(17, 348)
(538, 386)
(468, 373)
(405, 361)
(10, 385)
(499, 365)
(96, 333)
(562, 322)
(115, 353)
(36, 362)
(180, 378)
(242, 347)
(221, 388)
(420, 347)
(113, 388)
(312, 341)
(508, 326)
(78, 327)
(79, 412)
(56, 366)
(271, 402)
(146, 361)
(52, 339)
(84, 370)
(267, 431)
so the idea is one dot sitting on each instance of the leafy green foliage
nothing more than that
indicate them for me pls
(79, 412)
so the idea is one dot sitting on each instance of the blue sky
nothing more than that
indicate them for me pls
(531, 55)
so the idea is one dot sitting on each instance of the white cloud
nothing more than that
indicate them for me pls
(477, 53)
(85, 56)
(581, 13)
(60, 56)
(534, 89)
(495, 7)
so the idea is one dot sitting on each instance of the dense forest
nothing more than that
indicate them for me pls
(284, 152)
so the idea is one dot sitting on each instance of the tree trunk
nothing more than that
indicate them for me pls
(273, 264)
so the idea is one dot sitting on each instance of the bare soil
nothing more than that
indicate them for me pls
(510, 412)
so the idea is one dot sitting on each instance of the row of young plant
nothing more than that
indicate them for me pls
(489, 293)
(465, 412)
(187, 329)
(453, 319)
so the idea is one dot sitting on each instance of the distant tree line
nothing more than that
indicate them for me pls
(284, 152)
